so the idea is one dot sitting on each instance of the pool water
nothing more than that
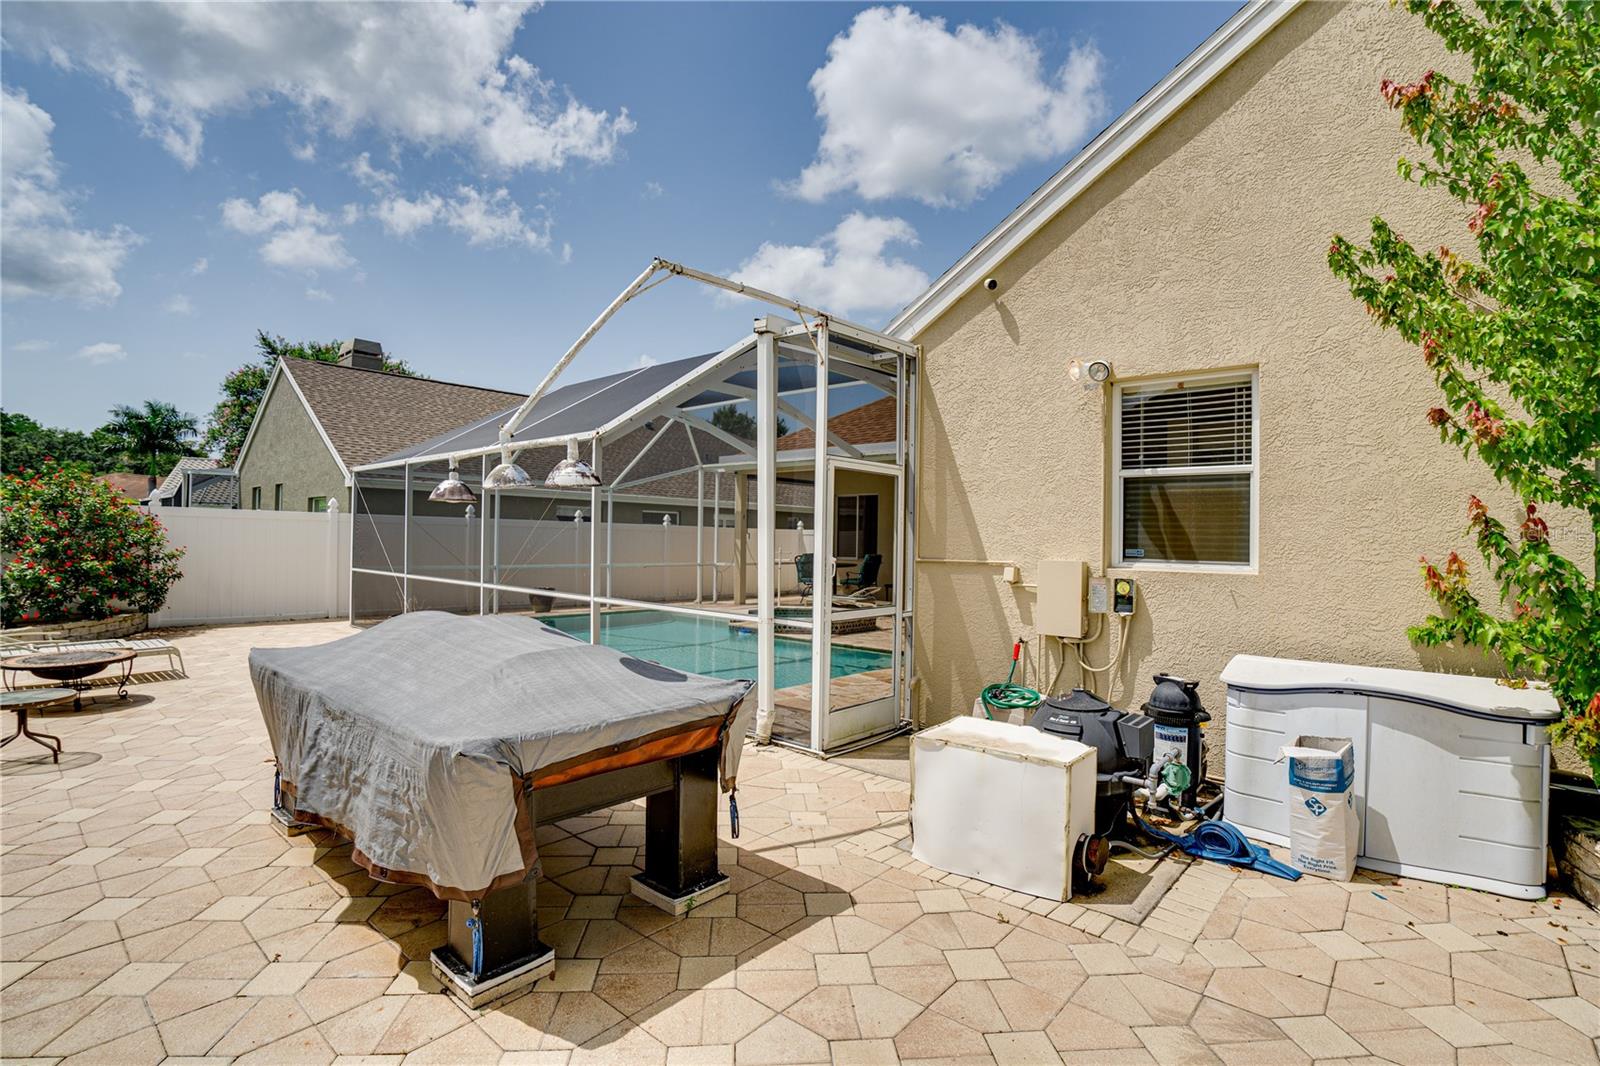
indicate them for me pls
(710, 646)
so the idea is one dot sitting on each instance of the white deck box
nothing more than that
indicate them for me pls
(1452, 773)
(1004, 803)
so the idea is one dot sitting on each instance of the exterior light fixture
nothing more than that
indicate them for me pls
(507, 475)
(572, 472)
(1094, 372)
(452, 489)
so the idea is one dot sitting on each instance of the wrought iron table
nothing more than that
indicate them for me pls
(72, 667)
(22, 702)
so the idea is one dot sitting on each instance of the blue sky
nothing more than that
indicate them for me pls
(470, 187)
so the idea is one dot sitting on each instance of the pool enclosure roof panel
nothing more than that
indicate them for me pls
(572, 410)
(584, 408)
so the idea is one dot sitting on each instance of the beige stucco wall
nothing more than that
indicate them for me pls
(1205, 249)
(286, 448)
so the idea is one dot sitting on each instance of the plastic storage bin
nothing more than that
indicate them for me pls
(1004, 803)
(1452, 773)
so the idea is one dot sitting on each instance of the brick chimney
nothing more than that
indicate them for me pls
(361, 354)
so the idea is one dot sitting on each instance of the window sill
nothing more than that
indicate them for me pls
(1137, 567)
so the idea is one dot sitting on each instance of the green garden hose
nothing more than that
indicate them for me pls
(1008, 697)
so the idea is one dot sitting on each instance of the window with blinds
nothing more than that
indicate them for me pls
(1185, 470)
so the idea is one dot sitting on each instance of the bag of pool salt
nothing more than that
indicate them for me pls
(1324, 827)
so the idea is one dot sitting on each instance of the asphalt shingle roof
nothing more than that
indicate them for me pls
(174, 479)
(369, 414)
(871, 423)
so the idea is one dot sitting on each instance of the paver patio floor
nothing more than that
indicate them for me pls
(150, 911)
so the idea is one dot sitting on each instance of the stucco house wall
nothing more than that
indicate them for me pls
(1204, 249)
(286, 448)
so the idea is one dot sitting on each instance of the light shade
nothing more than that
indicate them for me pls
(572, 472)
(507, 475)
(452, 490)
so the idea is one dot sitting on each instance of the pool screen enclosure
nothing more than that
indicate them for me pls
(744, 513)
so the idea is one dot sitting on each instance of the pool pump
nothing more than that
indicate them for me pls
(1157, 756)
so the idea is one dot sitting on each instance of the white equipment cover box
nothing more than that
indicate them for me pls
(1452, 777)
(1003, 803)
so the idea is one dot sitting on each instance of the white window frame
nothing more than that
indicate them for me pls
(1253, 468)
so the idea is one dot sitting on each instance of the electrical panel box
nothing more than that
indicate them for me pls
(1099, 595)
(1062, 584)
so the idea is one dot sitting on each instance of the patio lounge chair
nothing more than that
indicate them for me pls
(863, 582)
(140, 648)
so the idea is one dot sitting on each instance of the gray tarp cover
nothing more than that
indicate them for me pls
(406, 734)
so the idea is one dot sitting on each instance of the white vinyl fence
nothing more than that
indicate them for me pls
(255, 566)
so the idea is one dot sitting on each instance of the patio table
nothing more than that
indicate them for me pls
(21, 702)
(72, 667)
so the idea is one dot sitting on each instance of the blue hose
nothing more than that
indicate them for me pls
(1219, 841)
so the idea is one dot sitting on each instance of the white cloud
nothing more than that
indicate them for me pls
(306, 248)
(654, 190)
(179, 304)
(482, 217)
(299, 234)
(845, 271)
(306, 153)
(370, 176)
(102, 353)
(644, 361)
(911, 108)
(201, 265)
(45, 253)
(402, 217)
(322, 295)
(427, 75)
(32, 346)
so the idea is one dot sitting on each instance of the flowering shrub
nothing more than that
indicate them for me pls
(73, 544)
(1521, 323)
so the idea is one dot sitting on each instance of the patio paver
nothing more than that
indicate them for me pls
(148, 911)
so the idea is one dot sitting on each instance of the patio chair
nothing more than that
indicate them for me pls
(802, 573)
(865, 580)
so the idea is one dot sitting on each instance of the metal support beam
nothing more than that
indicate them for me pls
(821, 556)
(766, 521)
(405, 549)
(716, 538)
(515, 421)
(699, 532)
(741, 538)
(594, 547)
(696, 422)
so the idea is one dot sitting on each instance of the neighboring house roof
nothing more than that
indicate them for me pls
(871, 423)
(368, 414)
(174, 480)
(1218, 52)
(134, 486)
(363, 415)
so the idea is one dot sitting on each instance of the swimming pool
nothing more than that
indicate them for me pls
(710, 646)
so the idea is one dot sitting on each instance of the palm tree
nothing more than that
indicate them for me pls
(152, 433)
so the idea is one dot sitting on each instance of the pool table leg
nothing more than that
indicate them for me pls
(680, 841)
(493, 950)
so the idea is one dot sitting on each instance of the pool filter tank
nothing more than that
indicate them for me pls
(1122, 743)
(1175, 709)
